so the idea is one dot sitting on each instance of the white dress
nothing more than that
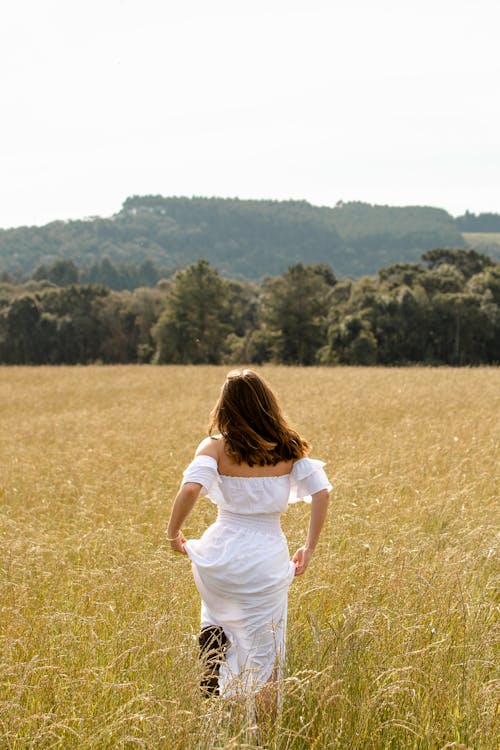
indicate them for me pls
(242, 567)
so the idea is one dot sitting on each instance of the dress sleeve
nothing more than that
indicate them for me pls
(307, 477)
(203, 470)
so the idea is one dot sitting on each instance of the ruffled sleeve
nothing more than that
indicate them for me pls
(307, 477)
(203, 470)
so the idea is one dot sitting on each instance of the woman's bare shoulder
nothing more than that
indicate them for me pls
(211, 446)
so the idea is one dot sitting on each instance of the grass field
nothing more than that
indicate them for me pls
(392, 631)
(484, 242)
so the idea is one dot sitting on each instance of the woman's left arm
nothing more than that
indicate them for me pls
(319, 508)
(183, 505)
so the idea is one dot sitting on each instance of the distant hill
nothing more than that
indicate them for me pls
(245, 239)
(487, 223)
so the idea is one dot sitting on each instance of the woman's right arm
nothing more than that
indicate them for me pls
(319, 508)
(187, 496)
(183, 505)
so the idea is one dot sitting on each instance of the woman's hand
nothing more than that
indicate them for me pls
(301, 559)
(177, 544)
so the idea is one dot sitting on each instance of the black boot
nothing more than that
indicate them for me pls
(213, 646)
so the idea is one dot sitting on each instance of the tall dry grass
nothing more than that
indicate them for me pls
(392, 631)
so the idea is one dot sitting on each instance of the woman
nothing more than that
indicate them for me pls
(252, 469)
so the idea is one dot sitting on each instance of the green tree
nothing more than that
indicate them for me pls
(261, 345)
(400, 321)
(295, 308)
(350, 342)
(62, 273)
(146, 304)
(22, 344)
(192, 328)
(469, 262)
(120, 333)
(80, 329)
(109, 274)
(462, 329)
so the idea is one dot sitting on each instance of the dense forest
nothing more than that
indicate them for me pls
(153, 236)
(470, 222)
(442, 310)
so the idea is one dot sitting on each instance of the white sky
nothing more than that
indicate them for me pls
(385, 101)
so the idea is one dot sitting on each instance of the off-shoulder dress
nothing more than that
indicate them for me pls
(242, 567)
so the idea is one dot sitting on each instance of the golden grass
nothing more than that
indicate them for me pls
(392, 631)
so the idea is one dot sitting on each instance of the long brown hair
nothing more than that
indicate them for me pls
(249, 417)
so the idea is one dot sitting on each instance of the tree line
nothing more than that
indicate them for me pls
(243, 239)
(113, 275)
(485, 222)
(442, 310)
